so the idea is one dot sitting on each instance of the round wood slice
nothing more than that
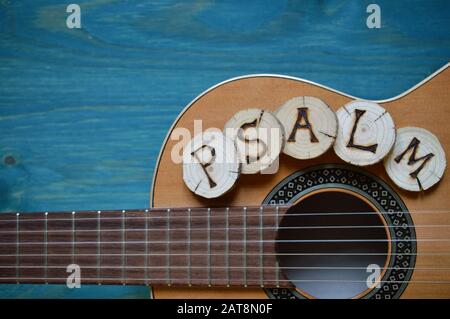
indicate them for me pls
(259, 138)
(417, 161)
(310, 127)
(366, 133)
(210, 164)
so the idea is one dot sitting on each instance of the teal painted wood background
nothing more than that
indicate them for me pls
(83, 112)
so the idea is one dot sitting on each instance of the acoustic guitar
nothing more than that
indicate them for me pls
(315, 228)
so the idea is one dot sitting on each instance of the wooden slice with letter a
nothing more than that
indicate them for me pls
(310, 126)
(417, 161)
(259, 138)
(210, 164)
(366, 133)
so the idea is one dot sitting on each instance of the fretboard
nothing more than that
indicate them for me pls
(175, 247)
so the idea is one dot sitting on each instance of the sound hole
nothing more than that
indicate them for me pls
(324, 256)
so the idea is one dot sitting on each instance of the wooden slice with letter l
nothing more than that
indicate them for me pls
(366, 133)
(210, 164)
(417, 161)
(310, 126)
(259, 138)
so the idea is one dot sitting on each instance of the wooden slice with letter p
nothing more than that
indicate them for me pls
(417, 161)
(366, 133)
(310, 126)
(210, 164)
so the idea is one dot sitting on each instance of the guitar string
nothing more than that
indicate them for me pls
(289, 281)
(290, 227)
(272, 241)
(213, 215)
(362, 240)
(238, 241)
(236, 254)
(230, 267)
(233, 228)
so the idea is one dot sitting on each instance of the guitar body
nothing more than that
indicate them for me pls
(424, 106)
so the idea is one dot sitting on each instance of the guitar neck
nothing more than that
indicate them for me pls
(177, 247)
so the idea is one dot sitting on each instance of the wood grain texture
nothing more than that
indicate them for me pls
(83, 113)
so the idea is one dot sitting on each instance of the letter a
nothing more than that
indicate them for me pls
(302, 114)
(74, 19)
(374, 19)
(74, 279)
(372, 280)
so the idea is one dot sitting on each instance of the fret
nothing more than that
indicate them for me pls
(123, 249)
(232, 247)
(156, 250)
(86, 244)
(146, 248)
(111, 247)
(9, 250)
(209, 246)
(46, 247)
(189, 248)
(261, 246)
(277, 266)
(245, 245)
(17, 247)
(99, 263)
(227, 244)
(168, 248)
(50, 230)
(135, 244)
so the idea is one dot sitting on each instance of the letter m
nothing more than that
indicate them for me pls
(413, 145)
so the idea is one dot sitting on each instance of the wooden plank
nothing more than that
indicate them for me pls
(83, 112)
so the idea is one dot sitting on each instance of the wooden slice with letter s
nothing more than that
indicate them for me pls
(258, 136)
(210, 164)
(417, 161)
(310, 126)
(366, 133)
